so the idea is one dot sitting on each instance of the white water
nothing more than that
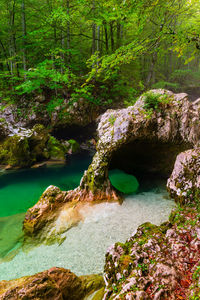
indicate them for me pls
(83, 251)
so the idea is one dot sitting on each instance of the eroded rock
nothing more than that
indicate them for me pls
(164, 130)
(158, 262)
(44, 212)
(53, 284)
(184, 182)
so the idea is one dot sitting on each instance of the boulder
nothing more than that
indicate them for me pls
(184, 182)
(158, 262)
(43, 213)
(29, 146)
(55, 283)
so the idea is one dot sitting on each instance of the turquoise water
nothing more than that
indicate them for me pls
(19, 190)
(84, 248)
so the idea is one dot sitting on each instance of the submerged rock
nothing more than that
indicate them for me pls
(123, 182)
(55, 283)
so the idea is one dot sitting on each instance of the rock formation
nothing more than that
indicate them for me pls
(184, 182)
(143, 138)
(53, 284)
(27, 147)
(158, 262)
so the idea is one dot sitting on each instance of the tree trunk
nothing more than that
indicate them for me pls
(24, 37)
(13, 48)
(151, 75)
(93, 31)
(118, 43)
(6, 56)
(68, 36)
(112, 37)
(106, 37)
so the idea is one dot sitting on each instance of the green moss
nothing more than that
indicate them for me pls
(112, 120)
(74, 146)
(99, 294)
(55, 149)
(15, 151)
(155, 101)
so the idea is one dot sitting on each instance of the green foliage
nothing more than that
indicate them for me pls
(154, 101)
(101, 51)
(85, 92)
(53, 103)
(45, 75)
(112, 120)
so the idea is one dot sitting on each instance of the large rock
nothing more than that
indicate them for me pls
(29, 146)
(158, 262)
(184, 182)
(147, 137)
(53, 284)
(42, 214)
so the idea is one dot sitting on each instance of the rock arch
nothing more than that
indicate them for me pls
(168, 126)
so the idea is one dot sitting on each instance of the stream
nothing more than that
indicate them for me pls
(83, 251)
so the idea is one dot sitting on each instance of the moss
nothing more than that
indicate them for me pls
(155, 101)
(74, 146)
(55, 149)
(54, 238)
(99, 294)
(15, 151)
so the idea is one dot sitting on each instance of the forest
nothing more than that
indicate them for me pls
(104, 52)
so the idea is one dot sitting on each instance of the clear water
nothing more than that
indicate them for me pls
(85, 246)
(20, 190)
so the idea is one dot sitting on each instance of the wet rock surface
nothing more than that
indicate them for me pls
(41, 214)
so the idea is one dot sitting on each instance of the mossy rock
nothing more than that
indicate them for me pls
(15, 151)
(123, 182)
(55, 149)
(73, 146)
